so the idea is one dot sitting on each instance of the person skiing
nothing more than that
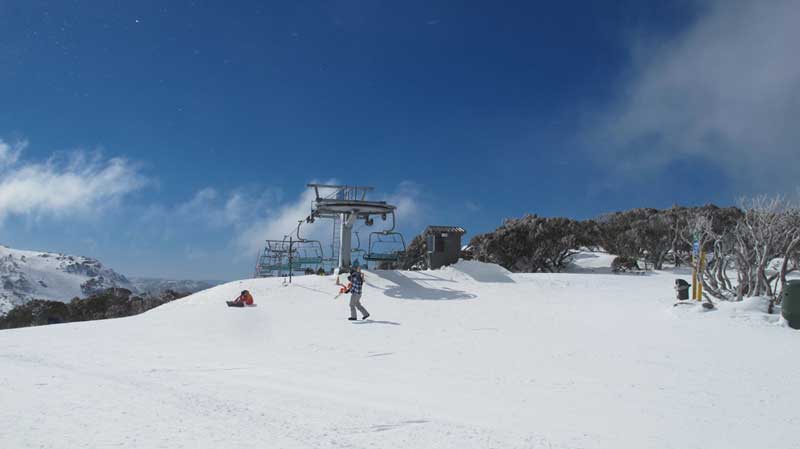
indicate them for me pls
(356, 279)
(244, 299)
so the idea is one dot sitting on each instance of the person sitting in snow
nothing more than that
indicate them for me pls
(245, 299)
(356, 279)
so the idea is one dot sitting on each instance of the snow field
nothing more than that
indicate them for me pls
(469, 356)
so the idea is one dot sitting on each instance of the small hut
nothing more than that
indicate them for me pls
(444, 245)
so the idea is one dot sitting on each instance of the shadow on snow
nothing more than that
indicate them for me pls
(407, 287)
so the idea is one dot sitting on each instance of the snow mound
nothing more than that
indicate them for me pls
(749, 311)
(586, 261)
(481, 272)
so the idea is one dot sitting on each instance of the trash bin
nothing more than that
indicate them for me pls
(790, 303)
(682, 288)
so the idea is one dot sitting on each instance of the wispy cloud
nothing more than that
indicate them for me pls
(411, 207)
(237, 208)
(72, 184)
(726, 91)
(279, 221)
(9, 153)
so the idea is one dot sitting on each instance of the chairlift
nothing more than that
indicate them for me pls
(306, 252)
(387, 245)
(272, 260)
(358, 249)
(358, 253)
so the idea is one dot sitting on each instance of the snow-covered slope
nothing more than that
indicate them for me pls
(27, 275)
(470, 356)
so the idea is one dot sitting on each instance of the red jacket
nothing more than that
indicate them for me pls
(246, 298)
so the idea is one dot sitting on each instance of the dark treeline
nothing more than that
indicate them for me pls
(110, 303)
(652, 236)
(745, 239)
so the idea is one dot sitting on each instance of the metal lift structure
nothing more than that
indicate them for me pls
(290, 255)
(345, 205)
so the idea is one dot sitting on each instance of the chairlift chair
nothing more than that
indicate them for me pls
(272, 259)
(385, 246)
(309, 251)
(358, 253)
(306, 253)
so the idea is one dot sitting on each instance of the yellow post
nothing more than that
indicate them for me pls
(700, 269)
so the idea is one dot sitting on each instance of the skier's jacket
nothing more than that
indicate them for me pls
(246, 298)
(357, 282)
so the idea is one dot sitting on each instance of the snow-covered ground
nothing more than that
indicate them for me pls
(469, 356)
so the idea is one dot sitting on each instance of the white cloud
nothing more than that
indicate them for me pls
(237, 208)
(9, 154)
(75, 185)
(726, 91)
(279, 221)
(410, 206)
(254, 218)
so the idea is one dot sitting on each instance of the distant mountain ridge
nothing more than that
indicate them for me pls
(28, 275)
(156, 286)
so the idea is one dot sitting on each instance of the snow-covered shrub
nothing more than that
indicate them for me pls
(621, 264)
(533, 243)
(658, 235)
(110, 303)
(36, 313)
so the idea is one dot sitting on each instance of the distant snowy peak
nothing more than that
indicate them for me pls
(27, 275)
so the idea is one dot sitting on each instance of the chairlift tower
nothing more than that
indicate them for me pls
(284, 257)
(347, 204)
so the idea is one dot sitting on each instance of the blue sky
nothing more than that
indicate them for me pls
(168, 138)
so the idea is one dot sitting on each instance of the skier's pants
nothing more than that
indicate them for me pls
(355, 303)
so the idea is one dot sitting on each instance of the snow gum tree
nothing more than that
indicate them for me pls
(533, 243)
(658, 236)
(651, 235)
(414, 257)
(767, 230)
